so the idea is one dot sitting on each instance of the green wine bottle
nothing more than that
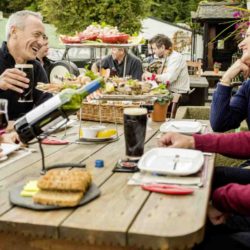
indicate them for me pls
(39, 120)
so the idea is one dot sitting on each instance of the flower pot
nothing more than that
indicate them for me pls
(160, 112)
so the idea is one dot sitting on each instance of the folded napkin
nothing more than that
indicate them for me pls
(148, 178)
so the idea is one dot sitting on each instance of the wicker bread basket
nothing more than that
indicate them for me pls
(105, 112)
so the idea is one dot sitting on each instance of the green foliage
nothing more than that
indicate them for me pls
(174, 10)
(164, 94)
(70, 16)
(16, 5)
(75, 15)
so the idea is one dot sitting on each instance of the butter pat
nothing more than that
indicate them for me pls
(30, 189)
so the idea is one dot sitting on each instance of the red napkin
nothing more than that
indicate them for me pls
(52, 141)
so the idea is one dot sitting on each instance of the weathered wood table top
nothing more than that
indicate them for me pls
(211, 73)
(198, 82)
(123, 217)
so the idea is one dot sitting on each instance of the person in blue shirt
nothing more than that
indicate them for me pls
(227, 110)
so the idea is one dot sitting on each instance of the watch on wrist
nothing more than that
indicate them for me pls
(227, 83)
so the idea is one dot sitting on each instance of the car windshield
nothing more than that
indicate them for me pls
(55, 54)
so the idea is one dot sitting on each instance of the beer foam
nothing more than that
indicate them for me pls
(24, 66)
(135, 111)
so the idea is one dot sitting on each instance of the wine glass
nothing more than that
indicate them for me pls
(3, 114)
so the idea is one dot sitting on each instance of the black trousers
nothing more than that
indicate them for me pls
(224, 237)
(235, 234)
(226, 175)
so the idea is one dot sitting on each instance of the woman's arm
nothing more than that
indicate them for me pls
(235, 145)
(232, 198)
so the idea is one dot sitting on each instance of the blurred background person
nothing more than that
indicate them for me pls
(121, 63)
(171, 68)
(42, 56)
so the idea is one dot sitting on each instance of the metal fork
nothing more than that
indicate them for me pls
(176, 159)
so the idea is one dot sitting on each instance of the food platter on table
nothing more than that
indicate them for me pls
(101, 35)
(116, 89)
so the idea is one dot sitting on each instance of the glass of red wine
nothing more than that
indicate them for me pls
(3, 113)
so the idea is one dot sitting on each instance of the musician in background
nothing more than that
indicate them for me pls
(170, 66)
(121, 63)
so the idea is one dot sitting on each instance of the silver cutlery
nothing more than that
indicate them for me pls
(176, 159)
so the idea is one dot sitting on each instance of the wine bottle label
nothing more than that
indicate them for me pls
(43, 109)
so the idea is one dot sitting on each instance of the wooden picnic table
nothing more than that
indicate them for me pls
(213, 77)
(211, 73)
(123, 217)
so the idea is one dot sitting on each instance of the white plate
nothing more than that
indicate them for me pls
(8, 148)
(173, 161)
(186, 127)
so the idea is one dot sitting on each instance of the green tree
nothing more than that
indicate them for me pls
(76, 15)
(16, 5)
(174, 10)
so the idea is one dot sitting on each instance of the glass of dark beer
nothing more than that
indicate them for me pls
(3, 113)
(27, 95)
(135, 123)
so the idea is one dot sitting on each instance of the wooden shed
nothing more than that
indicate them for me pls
(214, 17)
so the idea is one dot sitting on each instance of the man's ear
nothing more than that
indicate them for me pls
(13, 32)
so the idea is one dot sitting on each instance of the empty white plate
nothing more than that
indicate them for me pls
(185, 127)
(173, 161)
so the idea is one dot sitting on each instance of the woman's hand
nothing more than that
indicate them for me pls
(176, 140)
(215, 216)
(10, 138)
(234, 70)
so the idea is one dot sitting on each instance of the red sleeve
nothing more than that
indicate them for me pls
(233, 198)
(232, 144)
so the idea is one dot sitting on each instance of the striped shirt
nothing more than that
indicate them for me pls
(176, 73)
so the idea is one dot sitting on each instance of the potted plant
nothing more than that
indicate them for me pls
(161, 103)
(217, 67)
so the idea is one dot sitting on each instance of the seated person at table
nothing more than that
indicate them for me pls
(173, 69)
(121, 64)
(42, 57)
(149, 57)
(25, 36)
(227, 111)
(230, 196)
